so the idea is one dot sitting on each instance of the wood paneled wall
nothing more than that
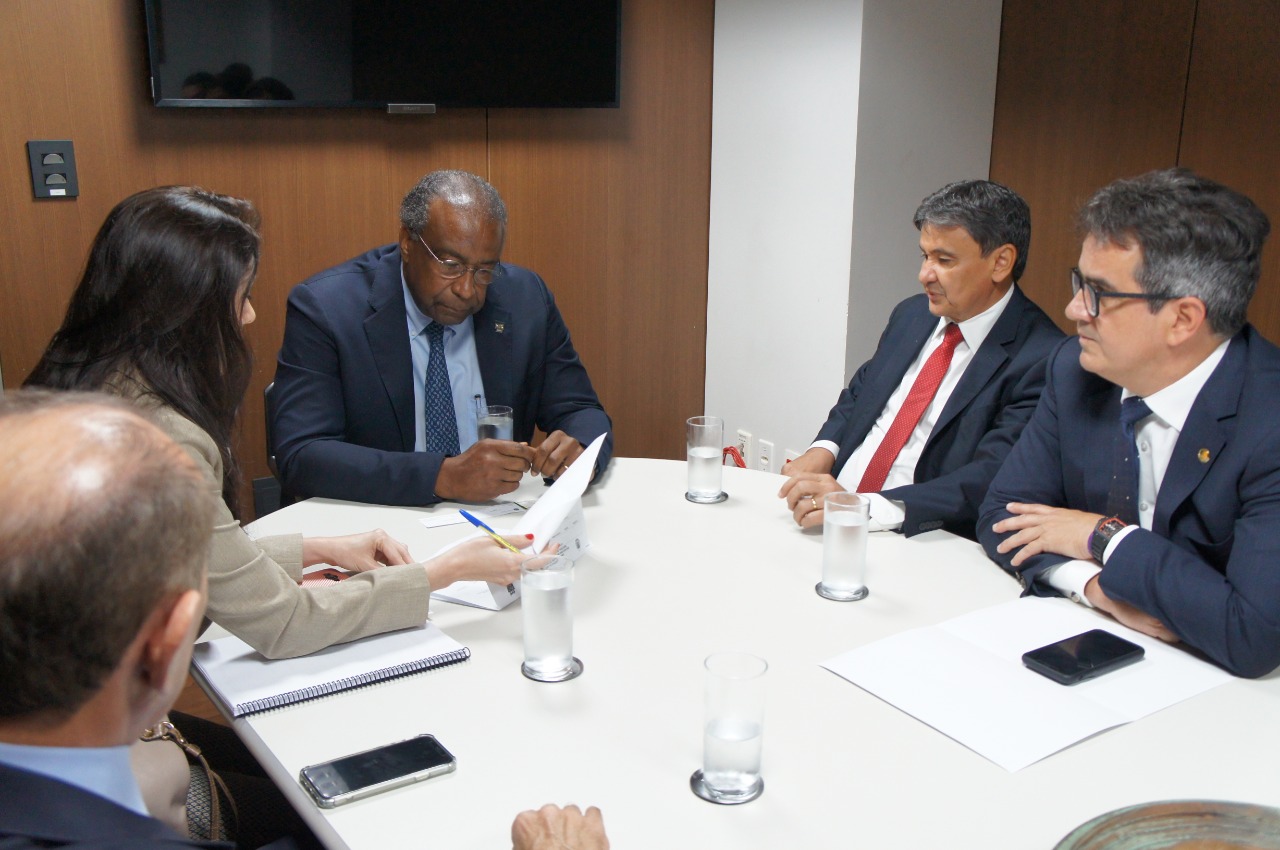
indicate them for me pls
(610, 206)
(1092, 90)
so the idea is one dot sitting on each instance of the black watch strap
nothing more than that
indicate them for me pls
(1106, 528)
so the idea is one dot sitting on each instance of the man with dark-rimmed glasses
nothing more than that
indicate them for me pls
(1147, 483)
(388, 357)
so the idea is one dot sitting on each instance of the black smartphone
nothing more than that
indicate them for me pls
(361, 775)
(1085, 656)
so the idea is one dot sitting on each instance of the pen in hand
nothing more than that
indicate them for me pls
(511, 588)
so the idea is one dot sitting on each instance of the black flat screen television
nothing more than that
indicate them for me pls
(383, 53)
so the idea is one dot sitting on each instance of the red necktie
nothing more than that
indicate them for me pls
(921, 394)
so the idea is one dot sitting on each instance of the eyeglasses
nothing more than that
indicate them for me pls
(1093, 296)
(452, 269)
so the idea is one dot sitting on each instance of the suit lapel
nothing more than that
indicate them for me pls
(986, 361)
(1209, 427)
(387, 332)
(494, 329)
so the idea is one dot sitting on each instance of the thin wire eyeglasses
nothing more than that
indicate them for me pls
(452, 269)
(1093, 296)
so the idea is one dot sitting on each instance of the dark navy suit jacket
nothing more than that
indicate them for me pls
(977, 427)
(343, 409)
(37, 811)
(1209, 568)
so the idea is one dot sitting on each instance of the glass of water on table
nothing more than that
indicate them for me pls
(733, 734)
(545, 597)
(704, 438)
(846, 519)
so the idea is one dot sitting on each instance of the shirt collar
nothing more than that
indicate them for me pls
(975, 329)
(1173, 403)
(104, 771)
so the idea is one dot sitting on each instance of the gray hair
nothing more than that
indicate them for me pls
(992, 215)
(101, 518)
(457, 188)
(1197, 238)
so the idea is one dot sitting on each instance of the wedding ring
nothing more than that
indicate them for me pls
(813, 500)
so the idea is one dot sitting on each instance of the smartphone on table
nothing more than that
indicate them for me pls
(1083, 656)
(364, 774)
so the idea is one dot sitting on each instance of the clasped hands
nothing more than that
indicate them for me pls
(1040, 529)
(492, 468)
(809, 479)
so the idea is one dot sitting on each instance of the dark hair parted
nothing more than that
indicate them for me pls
(159, 305)
(1197, 237)
(458, 188)
(992, 215)
(101, 518)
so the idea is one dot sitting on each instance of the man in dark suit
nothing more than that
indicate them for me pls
(104, 534)
(364, 409)
(925, 423)
(1147, 484)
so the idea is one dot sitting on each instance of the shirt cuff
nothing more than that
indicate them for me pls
(886, 514)
(1115, 540)
(1070, 578)
(828, 445)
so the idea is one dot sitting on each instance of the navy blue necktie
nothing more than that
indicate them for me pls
(1123, 498)
(439, 416)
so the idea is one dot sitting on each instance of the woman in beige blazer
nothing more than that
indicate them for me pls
(158, 318)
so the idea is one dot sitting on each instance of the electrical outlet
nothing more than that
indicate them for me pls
(744, 446)
(764, 457)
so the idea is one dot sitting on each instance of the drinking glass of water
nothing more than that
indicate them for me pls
(845, 520)
(704, 437)
(494, 422)
(733, 737)
(546, 582)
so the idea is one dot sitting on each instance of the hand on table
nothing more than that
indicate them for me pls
(804, 491)
(554, 454)
(816, 460)
(355, 552)
(554, 828)
(1126, 614)
(1040, 528)
(488, 469)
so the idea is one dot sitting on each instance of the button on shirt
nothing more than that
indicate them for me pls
(1156, 436)
(888, 514)
(464, 371)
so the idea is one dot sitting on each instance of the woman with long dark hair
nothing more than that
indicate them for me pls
(157, 318)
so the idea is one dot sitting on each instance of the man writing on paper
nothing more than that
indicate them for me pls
(104, 536)
(925, 423)
(386, 358)
(1147, 484)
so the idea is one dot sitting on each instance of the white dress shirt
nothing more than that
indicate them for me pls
(888, 514)
(1156, 435)
(464, 372)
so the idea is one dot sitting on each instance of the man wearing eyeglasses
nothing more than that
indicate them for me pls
(1147, 483)
(388, 358)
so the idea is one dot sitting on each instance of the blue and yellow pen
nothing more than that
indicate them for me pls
(511, 588)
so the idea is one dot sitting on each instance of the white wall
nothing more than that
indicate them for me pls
(831, 119)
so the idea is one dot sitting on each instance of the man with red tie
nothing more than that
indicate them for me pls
(926, 422)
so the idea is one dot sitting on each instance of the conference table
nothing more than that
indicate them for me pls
(667, 582)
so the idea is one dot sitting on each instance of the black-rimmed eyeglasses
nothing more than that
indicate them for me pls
(452, 269)
(1093, 296)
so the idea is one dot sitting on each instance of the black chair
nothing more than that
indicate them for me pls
(267, 496)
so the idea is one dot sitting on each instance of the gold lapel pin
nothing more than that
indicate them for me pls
(1203, 455)
(499, 327)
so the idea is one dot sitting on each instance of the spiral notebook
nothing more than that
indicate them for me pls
(246, 682)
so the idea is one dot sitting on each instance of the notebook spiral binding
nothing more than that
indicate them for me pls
(373, 677)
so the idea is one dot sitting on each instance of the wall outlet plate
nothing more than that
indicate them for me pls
(53, 169)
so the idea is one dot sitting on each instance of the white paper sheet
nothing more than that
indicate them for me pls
(483, 514)
(965, 678)
(555, 518)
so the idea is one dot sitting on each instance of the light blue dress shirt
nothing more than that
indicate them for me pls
(464, 372)
(104, 771)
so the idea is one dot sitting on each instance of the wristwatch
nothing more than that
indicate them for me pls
(1102, 534)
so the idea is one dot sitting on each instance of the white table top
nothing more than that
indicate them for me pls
(668, 582)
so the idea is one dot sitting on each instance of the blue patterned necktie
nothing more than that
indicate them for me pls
(1122, 500)
(439, 417)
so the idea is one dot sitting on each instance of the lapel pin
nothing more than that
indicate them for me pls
(499, 327)
(1203, 455)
